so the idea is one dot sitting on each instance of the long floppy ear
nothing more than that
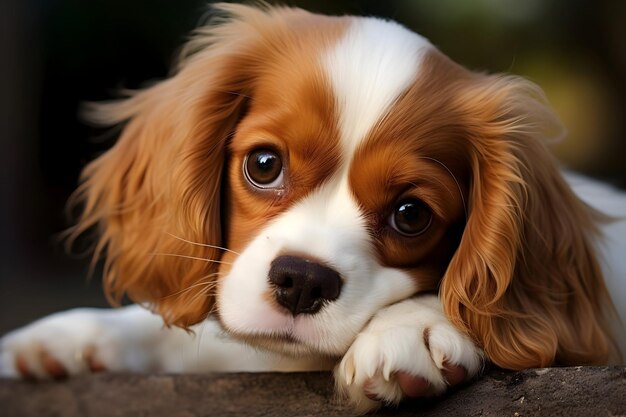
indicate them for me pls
(160, 185)
(525, 281)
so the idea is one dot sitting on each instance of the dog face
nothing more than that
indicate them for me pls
(299, 172)
(334, 214)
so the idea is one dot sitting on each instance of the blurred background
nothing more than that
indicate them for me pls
(54, 54)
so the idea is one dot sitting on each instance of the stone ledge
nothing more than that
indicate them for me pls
(579, 391)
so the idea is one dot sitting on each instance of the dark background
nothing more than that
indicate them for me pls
(55, 54)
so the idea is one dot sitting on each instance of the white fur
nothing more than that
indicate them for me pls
(369, 68)
(394, 340)
(133, 339)
(612, 247)
(326, 225)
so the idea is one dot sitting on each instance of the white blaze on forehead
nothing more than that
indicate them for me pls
(369, 68)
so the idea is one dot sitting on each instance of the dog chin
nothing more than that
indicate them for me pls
(292, 336)
(284, 343)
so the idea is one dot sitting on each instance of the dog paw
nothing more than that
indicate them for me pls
(57, 346)
(407, 350)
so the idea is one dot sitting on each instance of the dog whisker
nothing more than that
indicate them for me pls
(205, 282)
(199, 340)
(236, 93)
(207, 292)
(196, 258)
(202, 292)
(205, 245)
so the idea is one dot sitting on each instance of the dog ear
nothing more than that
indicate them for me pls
(525, 281)
(154, 198)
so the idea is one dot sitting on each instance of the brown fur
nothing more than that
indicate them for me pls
(418, 150)
(525, 281)
(163, 177)
(521, 277)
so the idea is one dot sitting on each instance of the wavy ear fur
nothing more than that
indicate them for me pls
(162, 179)
(525, 281)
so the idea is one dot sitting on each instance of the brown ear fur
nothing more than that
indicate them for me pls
(525, 282)
(162, 179)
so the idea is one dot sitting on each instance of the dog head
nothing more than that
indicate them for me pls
(299, 172)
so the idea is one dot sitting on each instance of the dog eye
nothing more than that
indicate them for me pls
(263, 168)
(411, 217)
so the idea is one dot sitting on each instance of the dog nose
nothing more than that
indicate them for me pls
(301, 285)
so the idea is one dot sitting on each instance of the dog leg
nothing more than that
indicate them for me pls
(129, 339)
(408, 349)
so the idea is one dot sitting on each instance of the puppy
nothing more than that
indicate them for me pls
(338, 193)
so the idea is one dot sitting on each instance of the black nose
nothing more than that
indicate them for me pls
(301, 285)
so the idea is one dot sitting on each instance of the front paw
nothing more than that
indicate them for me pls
(407, 350)
(67, 343)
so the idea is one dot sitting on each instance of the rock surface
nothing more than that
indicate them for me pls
(580, 391)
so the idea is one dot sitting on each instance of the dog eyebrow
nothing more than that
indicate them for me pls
(456, 181)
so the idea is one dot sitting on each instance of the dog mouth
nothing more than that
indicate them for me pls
(286, 337)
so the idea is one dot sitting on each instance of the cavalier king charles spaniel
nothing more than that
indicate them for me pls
(309, 192)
